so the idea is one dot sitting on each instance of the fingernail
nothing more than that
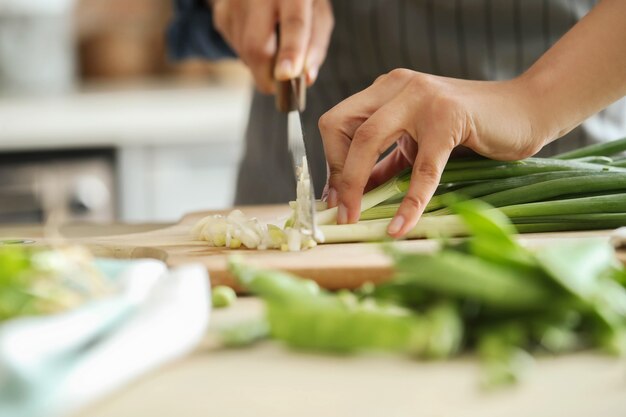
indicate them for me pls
(342, 214)
(395, 225)
(284, 70)
(332, 197)
(312, 74)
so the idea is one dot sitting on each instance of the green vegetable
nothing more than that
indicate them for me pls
(390, 189)
(36, 281)
(545, 190)
(15, 297)
(504, 359)
(619, 163)
(486, 294)
(222, 296)
(525, 167)
(586, 181)
(467, 163)
(613, 203)
(245, 333)
(319, 320)
(606, 148)
(465, 276)
(476, 190)
(272, 285)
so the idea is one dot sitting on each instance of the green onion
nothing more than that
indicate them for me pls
(601, 182)
(616, 218)
(390, 189)
(615, 203)
(598, 149)
(619, 163)
(376, 230)
(488, 163)
(477, 190)
(525, 167)
(400, 183)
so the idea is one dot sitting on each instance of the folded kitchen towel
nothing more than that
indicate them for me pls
(52, 366)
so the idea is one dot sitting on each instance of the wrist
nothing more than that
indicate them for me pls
(549, 103)
(533, 101)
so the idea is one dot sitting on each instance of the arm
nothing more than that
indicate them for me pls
(192, 34)
(582, 73)
(429, 116)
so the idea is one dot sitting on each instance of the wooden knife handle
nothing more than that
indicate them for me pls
(285, 98)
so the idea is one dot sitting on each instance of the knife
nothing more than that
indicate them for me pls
(291, 99)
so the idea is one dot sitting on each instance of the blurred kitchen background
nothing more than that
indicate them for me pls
(96, 124)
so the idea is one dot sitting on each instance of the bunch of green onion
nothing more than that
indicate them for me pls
(580, 190)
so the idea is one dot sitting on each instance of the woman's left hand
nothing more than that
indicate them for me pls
(427, 116)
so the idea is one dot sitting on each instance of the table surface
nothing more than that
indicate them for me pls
(270, 380)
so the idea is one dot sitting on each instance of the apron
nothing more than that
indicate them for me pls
(469, 39)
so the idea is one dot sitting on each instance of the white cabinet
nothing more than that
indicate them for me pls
(162, 183)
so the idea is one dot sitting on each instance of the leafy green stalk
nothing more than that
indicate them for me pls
(399, 184)
(502, 353)
(569, 186)
(613, 203)
(450, 273)
(320, 320)
(376, 230)
(469, 163)
(525, 167)
(606, 148)
(392, 188)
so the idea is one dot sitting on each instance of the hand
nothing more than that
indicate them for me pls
(249, 28)
(428, 117)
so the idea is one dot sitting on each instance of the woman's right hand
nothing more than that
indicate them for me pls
(249, 28)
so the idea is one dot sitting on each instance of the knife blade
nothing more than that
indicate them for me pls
(293, 100)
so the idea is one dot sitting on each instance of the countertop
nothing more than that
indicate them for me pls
(106, 116)
(270, 380)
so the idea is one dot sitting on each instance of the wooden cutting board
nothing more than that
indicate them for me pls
(333, 266)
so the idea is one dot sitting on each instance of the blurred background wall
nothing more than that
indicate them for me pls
(96, 124)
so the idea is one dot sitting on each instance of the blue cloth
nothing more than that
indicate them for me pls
(192, 35)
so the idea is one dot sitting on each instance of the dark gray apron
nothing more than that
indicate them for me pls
(471, 39)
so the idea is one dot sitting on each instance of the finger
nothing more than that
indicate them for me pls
(223, 22)
(322, 28)
(258, 45)
(402, 157)
(295, 19)
(370, 140)
(338, 125)
(325, 193)
(387, 168)
(329, 194)
(433, 154)
(336, 146)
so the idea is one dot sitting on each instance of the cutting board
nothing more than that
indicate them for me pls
(333, 266)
